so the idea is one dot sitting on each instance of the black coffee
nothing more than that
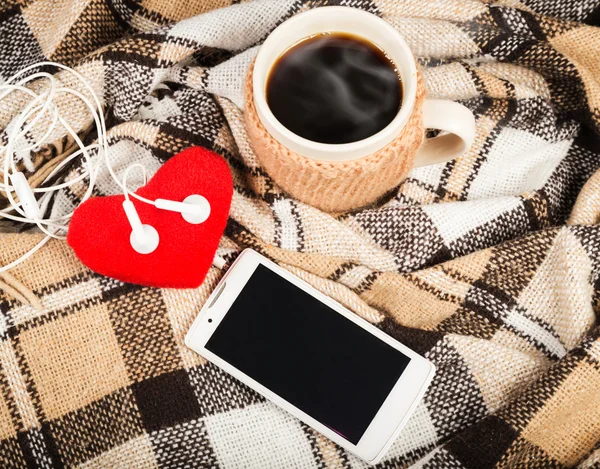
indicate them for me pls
(334, 88)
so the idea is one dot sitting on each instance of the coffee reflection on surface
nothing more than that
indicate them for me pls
(334, 88)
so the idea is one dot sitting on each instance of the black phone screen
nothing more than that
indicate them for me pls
(307, 353)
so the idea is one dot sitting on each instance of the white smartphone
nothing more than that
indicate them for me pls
(310, 355)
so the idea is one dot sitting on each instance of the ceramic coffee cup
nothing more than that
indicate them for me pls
(333, 180)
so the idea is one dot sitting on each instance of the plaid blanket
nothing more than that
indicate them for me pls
(488, 265)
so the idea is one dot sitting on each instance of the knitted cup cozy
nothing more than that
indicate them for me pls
(336, 186)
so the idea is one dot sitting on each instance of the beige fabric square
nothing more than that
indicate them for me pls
(408, 303)
(501, 372)
(527, 82)
(135, 453)
(581, 45)
(50, 22)
(514, 4)
(324, 266)
(253, 215)
(51, 264)
(568, 425)
(495, 87)
(587, 207)
(456, 11)
(340, 293)
(74, 360)
(143, 132)
(179, 10)
(451, 38)
(438, 79)
(172, 52)
(472, 266)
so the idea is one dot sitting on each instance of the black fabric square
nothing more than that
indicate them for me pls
(143, 329)
(509, 225)
(522, 452)
(37, 445)
(408, 233)
(454, 400)
(166, 400)
(192, 102)
(218, 391)
(474, 323)
(483, 444)
(419, 340)
(86, 433)
(184, 445)
(12, 454)
(506, 278)
(14, 56)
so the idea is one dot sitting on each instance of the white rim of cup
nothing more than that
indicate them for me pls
(334, 152)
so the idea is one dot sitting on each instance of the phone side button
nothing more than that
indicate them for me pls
(217, 295)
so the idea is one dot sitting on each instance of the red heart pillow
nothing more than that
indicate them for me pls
(99, 230)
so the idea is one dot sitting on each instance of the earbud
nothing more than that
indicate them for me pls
(26, 198)
(195, 209)
(144, 238)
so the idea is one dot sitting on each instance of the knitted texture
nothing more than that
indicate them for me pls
(471, 263)
(336, 186)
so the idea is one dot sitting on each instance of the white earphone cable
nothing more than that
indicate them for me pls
(19, 143)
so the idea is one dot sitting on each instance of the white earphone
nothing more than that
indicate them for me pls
(20, 142)
(144, 238)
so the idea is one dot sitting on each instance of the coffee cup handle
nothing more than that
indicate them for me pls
(458, 126)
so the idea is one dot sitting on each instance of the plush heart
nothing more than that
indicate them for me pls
(99, 230)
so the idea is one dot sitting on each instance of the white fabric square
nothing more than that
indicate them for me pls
(451, 39)
(288, 227)
(455, 219)
(260, 435)
(227, 79)
(429, 174)
(3, 323)
(451, 81)
(233, 28)
(518, 162)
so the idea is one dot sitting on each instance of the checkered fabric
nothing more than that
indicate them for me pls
(488, 265)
